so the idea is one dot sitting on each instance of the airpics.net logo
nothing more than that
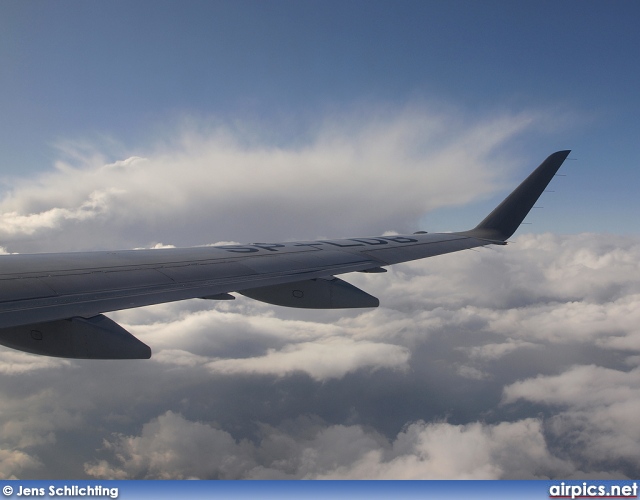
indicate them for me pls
(587, 490)
(61, 491)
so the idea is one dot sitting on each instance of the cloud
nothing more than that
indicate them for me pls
(597, 410)
(475, 451)
(17, 363)
(321, 360)
(516, 362)
(476, 365)
(96, 204)
(34, 419)
(171, 447)
(378, 171)
(323, 351)
(13, 462)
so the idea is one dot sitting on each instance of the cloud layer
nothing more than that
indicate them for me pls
(515, 362)
(492, 364)
(370, 173)
(172, 447)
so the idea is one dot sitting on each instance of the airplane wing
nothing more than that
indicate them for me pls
(52, 304)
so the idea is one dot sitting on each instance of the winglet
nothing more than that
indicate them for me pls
(500, 224)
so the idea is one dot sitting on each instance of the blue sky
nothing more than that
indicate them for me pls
(80, 71)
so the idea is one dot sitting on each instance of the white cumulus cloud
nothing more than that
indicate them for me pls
(379, 171)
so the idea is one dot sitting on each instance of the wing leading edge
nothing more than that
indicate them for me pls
(52, 304)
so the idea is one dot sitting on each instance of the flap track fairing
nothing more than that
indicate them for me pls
(321, 293)
(81, 338)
